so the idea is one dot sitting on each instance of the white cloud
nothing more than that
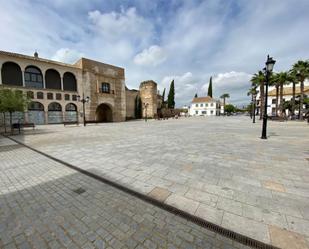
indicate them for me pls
(185, 87)
(234, 83)
(231, 79)
(214, 37)
(153, 56)
(126, 24)
(67, 55)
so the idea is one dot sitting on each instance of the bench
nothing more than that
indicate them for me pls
(92, 122)
(19, 126)
(70, 123)
(280, 119)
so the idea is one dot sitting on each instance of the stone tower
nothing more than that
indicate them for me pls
(148, 94)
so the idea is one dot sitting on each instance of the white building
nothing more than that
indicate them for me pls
(287, 96)
(204, 106)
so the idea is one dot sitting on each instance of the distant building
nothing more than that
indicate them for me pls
(205, 106)
(287, 96)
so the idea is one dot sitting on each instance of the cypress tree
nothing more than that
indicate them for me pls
(163, 99)
(195, 96)
(210, 87)
(171, 96)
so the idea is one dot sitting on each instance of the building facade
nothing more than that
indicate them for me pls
(287, 96)
(55, 89)
(204, 106)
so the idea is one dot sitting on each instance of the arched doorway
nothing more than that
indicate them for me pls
(71, 112)
(55, 113)
(104, 113)
(36, 113)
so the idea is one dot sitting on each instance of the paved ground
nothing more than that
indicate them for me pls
(38, 209)
(215, 168)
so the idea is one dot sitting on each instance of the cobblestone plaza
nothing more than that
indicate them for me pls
(215, 168)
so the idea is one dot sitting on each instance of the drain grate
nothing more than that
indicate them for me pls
(79, 191)
(247, 241)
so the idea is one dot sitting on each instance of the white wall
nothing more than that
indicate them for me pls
(204, 109)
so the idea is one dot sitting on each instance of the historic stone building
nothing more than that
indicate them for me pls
(57, 90)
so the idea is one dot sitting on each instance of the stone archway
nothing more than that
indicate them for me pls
(104, 113)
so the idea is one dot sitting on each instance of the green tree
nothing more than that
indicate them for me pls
(301, 71)
(253, 92)
(279, 80)
(210, 87)
(163, 95)
(195, 96)
(171, 96)
(230, 109)
(138, 107)
(295, 81)
(258, 80)
(224, 97)
(274, 82)
(12, 101)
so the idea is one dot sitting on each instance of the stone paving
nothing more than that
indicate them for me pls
(39, 209)
(215, 168)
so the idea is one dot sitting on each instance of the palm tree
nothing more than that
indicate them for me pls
(224, 96)
(252, 91)
(294, 81)
(274, 82)
(279, 80)
(258, 79)
(301, 70)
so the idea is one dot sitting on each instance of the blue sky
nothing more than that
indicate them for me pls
(188, 41)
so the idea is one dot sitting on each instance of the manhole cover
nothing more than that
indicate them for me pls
(79, 191)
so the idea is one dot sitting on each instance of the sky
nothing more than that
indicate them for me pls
(161, 40)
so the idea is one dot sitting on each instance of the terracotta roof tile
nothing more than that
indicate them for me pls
(203, 99)
(289, 91)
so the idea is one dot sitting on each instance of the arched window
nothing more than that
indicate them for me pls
(52, 79)
(71, 107)
(33, 77)
(35, 106)
(40, 95)
(11, 74)
(69, 82)
(105, 87)
(30, 94)
(54, 106)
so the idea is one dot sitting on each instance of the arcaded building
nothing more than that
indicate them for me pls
(56, 90)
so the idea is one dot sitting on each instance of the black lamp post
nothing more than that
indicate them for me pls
(83, 100)
(268, 69)
(145, 106)
(254, 104)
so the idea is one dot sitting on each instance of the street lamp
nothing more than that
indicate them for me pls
(254, 104)
(267, 70)
(145, 107)
(83, 100)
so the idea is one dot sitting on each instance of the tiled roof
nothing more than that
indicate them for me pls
(203, 99)
(289, 91)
